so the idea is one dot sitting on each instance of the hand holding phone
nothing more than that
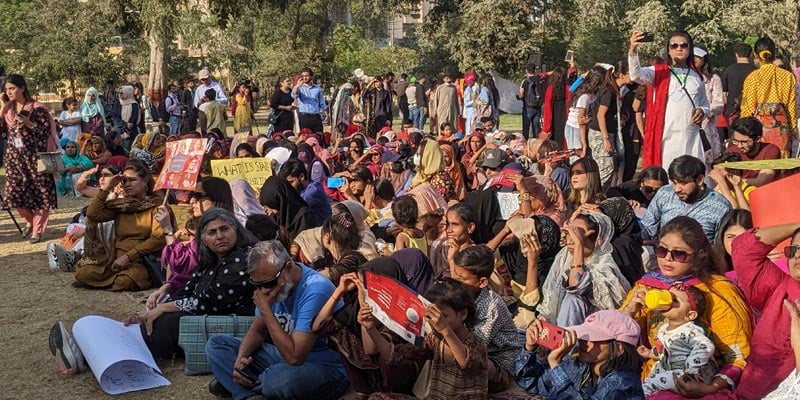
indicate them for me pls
(336, 182)
(550, 335)
(648, 37)
(247, 374)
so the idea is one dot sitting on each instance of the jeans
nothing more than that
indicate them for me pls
(278, 379)
(417, 116)
(531, 120)
(174, 124)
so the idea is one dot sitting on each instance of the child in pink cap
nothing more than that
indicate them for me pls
(604, 362)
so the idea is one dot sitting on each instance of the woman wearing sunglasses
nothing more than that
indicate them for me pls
(180, 253)
(767, 288)
(219, 285)
(686, 256)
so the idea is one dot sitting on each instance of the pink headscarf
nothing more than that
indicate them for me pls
(549, 194)
(320, 152)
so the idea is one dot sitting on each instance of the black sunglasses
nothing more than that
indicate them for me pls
(198, 195)
(682, 45)
(677, 255)
(791, 250)
(648, 189)
(269, 283)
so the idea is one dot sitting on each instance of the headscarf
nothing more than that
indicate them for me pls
(280, 155)
(416, 267)
(125, 101)
(472, 176)
(454, 170)
(90, 109)
(431, 163)
(322, 153)
(260, 145)
(627, 239)
(148, 140)
(488, 208)
(549, 235)
(548, 193)
(609, 286)
(90, 150)
(245, 201)
(293, 212)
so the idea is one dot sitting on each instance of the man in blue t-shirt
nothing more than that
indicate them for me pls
(279, 356)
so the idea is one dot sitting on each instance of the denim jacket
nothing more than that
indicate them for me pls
(534, 375)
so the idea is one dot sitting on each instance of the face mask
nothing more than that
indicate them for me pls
(417, 160)
(285, 293)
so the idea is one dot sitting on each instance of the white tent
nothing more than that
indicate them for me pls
(508, 94)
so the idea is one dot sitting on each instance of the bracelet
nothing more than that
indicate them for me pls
(169, 233)
(524, 197)
(576, 266)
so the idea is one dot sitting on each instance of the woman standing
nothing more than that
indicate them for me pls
(377, 106)
(714, 93)
(555, 107)
(282, 105)
(241, 109)
(30, 130)
(93, 117)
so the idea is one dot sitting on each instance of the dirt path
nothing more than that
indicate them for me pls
(33, 299)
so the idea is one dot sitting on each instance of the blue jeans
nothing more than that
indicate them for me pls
(530, 120)
(417, 116)
(278, 379)
(174, 124)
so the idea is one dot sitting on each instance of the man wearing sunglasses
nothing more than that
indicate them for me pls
(686, 195)
(680, 105)
(280, 357)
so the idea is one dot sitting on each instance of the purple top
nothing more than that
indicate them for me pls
(182, 261)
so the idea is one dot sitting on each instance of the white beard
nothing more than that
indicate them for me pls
(284, 293)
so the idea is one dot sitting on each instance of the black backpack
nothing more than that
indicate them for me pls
(534, 92)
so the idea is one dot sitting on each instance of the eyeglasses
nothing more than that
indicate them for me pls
(676, 45)
(269, 283)
(198, 195)
(741, 142)
(649, 189)
(791, 251)
(677, 255)
(577, 172)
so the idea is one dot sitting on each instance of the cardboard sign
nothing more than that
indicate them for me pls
(182, 164)
(254, 170)
(396, 306)
(776, 203)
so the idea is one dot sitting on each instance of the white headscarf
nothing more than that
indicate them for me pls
(609, 286)
(245, 201)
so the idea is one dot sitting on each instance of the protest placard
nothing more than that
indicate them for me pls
(181, 164)
(509, 202)
(396, 306)
(774, 204)
(254, 170)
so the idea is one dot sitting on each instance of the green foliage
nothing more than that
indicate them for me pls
(353, 51)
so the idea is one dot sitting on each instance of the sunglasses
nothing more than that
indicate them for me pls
(269, 283)
(649, 189)
(198, 195)
(791, 251)
(676, 45)
(677, 255)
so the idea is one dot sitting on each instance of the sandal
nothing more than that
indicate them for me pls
(35, 239)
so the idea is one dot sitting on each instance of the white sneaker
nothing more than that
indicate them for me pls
(69, 359)
(52, 260)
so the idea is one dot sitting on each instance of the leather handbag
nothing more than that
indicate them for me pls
(194, 331)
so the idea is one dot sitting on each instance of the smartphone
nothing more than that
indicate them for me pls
(25, 113)
(550, 336)
(336, 182)
(568, 57)
(247, 373)
(648, 37)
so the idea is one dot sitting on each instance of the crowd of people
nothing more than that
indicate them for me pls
(653, 273)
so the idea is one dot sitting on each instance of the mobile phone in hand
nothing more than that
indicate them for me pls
(248, 374)
(336, 182)
(648, 37)
(551, 336)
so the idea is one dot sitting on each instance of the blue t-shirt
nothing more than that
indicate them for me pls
(298, 311)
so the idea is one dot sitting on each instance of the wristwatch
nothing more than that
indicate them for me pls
(169, 233)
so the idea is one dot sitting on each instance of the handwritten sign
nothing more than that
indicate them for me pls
(783, 163)
(509, 202)
(396, 306)
(254, 170)
(182, 164)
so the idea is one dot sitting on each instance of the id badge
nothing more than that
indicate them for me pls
(18, 142)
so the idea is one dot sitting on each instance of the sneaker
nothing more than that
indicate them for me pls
(69, 359)
(65, 259)
(52, 260)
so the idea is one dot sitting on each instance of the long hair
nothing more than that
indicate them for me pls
(706, 71)
(705, 257)
(205, 257)
(141, 171)
(218, 191)
(765, 49)
(452, 293)
(621, 358)
(18, 81)
(609, 83)
(558, 81)
(734, 217)
(591, 85)
(688, 37)
(593, 190)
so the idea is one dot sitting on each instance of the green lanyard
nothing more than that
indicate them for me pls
(685, 77)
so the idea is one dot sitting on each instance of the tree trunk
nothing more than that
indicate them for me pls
(157, 79)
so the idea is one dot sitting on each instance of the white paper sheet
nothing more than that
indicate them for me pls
(509, 202)
(117, 355)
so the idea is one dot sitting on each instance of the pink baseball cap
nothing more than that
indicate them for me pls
(607, 325)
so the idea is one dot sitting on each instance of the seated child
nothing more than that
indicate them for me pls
(682, 346)
(405, 213)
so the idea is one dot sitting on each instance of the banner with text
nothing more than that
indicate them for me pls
(182, 164)
(254, 170)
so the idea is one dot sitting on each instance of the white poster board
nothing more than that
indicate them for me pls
(509, 202)
(117, 355)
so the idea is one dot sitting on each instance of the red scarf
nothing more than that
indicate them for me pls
(654, 123)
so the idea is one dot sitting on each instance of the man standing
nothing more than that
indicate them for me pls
(174, 109)
(186, 96)
(207, 83)
(402, 98)
(676, 102)
(214, 112)
(532, 95)
(285, 358)
(310, 102)
(446, 103)
(688, 195)
(415, 95)
(733, 79)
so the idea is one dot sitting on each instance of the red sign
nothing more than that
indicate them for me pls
(396, 306)
(182, 164)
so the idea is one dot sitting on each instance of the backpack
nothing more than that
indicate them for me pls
(534, 92)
